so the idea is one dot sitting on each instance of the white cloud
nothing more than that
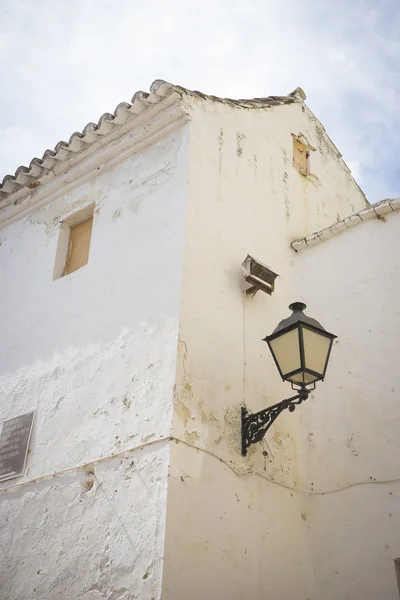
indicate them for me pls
(63, 63)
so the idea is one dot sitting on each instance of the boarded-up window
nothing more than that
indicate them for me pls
(78, 246)
(300, 156)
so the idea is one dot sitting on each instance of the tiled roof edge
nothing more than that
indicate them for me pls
(54, 160)
(79, 142)
(377, 211)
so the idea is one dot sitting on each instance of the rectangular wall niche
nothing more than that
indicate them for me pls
(74, 242)
(397, 569)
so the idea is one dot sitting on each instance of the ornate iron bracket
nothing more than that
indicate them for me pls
(256, 425)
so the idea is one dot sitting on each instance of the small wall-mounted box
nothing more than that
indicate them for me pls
(257, 276)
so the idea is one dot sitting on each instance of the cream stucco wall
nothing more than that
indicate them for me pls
(237, 528)
(350, 427)
(94, 353)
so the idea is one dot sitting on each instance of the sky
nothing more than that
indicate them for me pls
(65, 62)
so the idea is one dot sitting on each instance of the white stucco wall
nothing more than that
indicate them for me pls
(110, 507)
(94, 353)
(236, 528)
(350, 427)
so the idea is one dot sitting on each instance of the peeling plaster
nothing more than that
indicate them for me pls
(191, 437)
(223, 365)
(182, 411)
(97, 359)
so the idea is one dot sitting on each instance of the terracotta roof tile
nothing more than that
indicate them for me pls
(55, 161)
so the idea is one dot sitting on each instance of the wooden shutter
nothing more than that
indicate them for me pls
(300, 157)
(79, 244)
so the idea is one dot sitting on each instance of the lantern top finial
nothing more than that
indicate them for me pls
(298, 315)
(297, 306)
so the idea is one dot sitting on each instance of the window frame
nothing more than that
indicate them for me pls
(300, 140)
(65, 224)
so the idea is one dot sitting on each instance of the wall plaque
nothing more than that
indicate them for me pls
(14, 442)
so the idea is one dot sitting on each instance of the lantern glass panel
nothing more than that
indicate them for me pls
(316, 350)
(286, 350)
(302, 378)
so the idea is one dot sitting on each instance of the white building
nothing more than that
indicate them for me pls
(138, 362)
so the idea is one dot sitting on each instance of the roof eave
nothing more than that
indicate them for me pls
(54, 162)
(376, 211)
(131, 137)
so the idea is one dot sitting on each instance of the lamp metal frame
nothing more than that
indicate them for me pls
(256, 425)
(303, 368)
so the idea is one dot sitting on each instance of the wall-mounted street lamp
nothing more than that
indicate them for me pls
(300, 347)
